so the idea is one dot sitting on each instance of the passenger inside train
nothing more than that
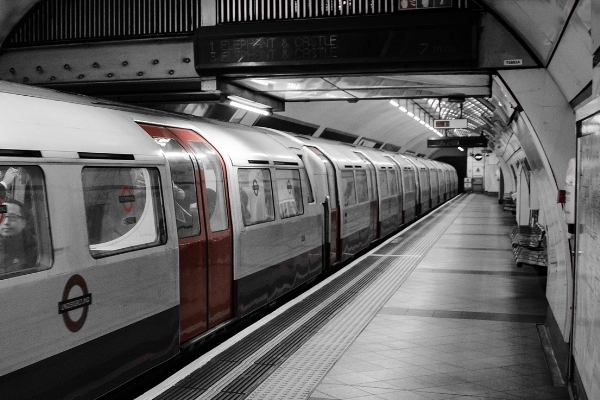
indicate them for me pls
(20, 206)
(18, 247)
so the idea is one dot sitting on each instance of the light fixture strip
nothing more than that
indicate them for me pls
(249, 108)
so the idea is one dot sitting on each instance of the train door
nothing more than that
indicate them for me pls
(374, 224)
(205, 253)
(402, 189)
(219, 231)
(334, 208)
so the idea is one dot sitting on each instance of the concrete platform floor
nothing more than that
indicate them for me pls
(462, 326)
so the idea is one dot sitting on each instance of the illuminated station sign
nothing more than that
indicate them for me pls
(460, 123)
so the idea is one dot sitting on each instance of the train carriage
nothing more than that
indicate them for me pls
(389, 191)
(423, 184)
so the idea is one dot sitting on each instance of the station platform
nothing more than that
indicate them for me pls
(439, 311)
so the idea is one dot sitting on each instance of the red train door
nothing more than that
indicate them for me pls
(206, 271)
(217, 224)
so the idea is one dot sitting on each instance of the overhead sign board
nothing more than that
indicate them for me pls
(464, 141)
(405, 41)
(450, 123)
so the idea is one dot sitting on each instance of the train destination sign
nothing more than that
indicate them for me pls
(394, 43)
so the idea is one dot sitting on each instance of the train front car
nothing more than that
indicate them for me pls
(88, 267)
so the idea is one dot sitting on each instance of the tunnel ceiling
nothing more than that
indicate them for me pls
(365, 103)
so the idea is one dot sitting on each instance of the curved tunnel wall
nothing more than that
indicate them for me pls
(546, 133)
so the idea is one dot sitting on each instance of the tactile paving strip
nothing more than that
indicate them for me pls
(258, 358)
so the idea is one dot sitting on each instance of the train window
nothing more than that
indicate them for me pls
(215, 186)
(184, 187)
(124, 209)
(310, 198)
(393, 181)
(289, 192)
(349, 188)
(383, 184)
(372, 190)
(256, 195)
(362, 189)
(409, 179)
(25, 245)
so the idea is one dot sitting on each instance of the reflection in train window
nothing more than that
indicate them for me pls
(383, 184)
(310, 198)
(184, 187)
(124, 209)
(256, 195)
(25, 244)
(349, 188)
(289, 192)
(332, 191)
(362, 189)
(393, 182)
(215, 185)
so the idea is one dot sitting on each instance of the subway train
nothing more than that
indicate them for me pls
(127, 235)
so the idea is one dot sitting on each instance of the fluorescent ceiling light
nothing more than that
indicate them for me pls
(262, 82)
(422, 122)
(249, 108)
(438, 133)
(403, 109)
(394, 103)
(410, 114)
(461, 149)
(416, 118)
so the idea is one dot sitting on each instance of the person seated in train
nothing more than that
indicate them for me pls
(182, 213)
(18, 248)
(7, 180)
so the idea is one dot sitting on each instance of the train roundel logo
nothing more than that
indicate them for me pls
(255, 187)
(126, 198)
(67, 304)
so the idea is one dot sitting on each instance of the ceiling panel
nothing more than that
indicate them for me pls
(369, 87)
(410, 81)
(313, 95)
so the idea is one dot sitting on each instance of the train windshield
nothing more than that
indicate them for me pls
(25, 245)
